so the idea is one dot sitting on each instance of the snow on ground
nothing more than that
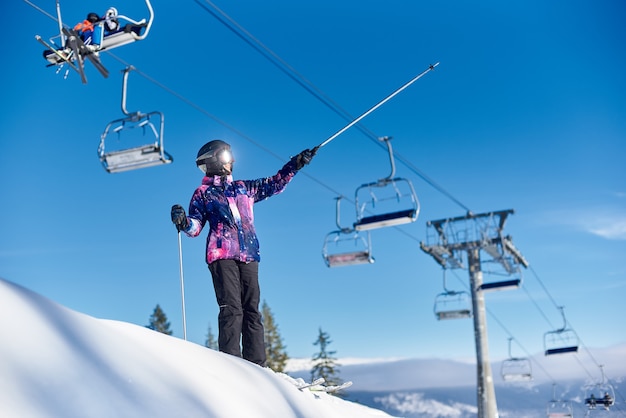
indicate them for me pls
(55, 362)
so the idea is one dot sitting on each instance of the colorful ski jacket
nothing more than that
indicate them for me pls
(227, 206)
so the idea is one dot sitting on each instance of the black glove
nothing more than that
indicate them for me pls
(179, 218)
(305, 157)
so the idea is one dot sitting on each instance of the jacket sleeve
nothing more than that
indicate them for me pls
(263, 188)
(197, 213)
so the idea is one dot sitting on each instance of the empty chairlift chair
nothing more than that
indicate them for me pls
(387, 202)
(562, 340)
(346, 246)
(516, 369)
(559, 408)
(504, 254)
(452, 304)
(138, 156)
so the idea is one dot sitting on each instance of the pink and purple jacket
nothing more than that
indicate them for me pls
(227, 206)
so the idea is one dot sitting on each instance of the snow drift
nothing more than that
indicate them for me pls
(56, 362)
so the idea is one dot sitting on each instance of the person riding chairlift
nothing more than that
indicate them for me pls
(93, 28)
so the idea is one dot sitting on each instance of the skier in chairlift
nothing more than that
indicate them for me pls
(94, 28)
(232, 251)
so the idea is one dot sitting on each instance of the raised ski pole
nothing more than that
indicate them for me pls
(182, 285)
(376, 106)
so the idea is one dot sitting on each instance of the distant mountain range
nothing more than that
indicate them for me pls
(437, 388)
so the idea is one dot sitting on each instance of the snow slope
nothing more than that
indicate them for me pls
(55, 362)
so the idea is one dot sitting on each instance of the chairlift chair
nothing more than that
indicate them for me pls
(373, 200)
(562, 340)
(452, 304)
(336, 253)
(516, 369)
(65, 48)
(346, 246)
(559, 408)
(600, 394)
(509, 264)
(142, 156)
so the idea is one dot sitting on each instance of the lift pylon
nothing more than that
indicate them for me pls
(448, 242)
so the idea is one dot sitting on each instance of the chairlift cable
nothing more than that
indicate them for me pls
(219, 121)
(39, 9)
(247, 37)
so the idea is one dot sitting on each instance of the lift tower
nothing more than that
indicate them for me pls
(453, 241)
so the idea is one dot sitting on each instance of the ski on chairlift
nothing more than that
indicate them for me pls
(387, 202)
(71, 47)
(142, 156)
(346, 246)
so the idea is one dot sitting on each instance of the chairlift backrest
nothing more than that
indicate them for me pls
(130, 30)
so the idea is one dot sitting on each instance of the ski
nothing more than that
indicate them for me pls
(305, 385)
(333, 388)
(73, 42)
(82, 51)
(58, 53)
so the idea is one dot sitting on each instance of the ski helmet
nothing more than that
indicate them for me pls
(213, 156)
(93, 17)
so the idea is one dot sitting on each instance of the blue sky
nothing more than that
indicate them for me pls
(525, 111)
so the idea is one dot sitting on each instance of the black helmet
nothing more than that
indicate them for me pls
(93, 17)
(213, 156)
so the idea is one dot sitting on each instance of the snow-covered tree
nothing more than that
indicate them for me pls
(211, 342)
(324, 362)
(274, 348)
(158, 321)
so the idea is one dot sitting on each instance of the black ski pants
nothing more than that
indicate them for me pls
(238, 294)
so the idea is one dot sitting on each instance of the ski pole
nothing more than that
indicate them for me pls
(182, 284)
(379, 104)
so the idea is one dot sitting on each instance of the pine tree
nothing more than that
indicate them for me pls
(274, 348)
(324, 364)
(158, 321)
(211, 342)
